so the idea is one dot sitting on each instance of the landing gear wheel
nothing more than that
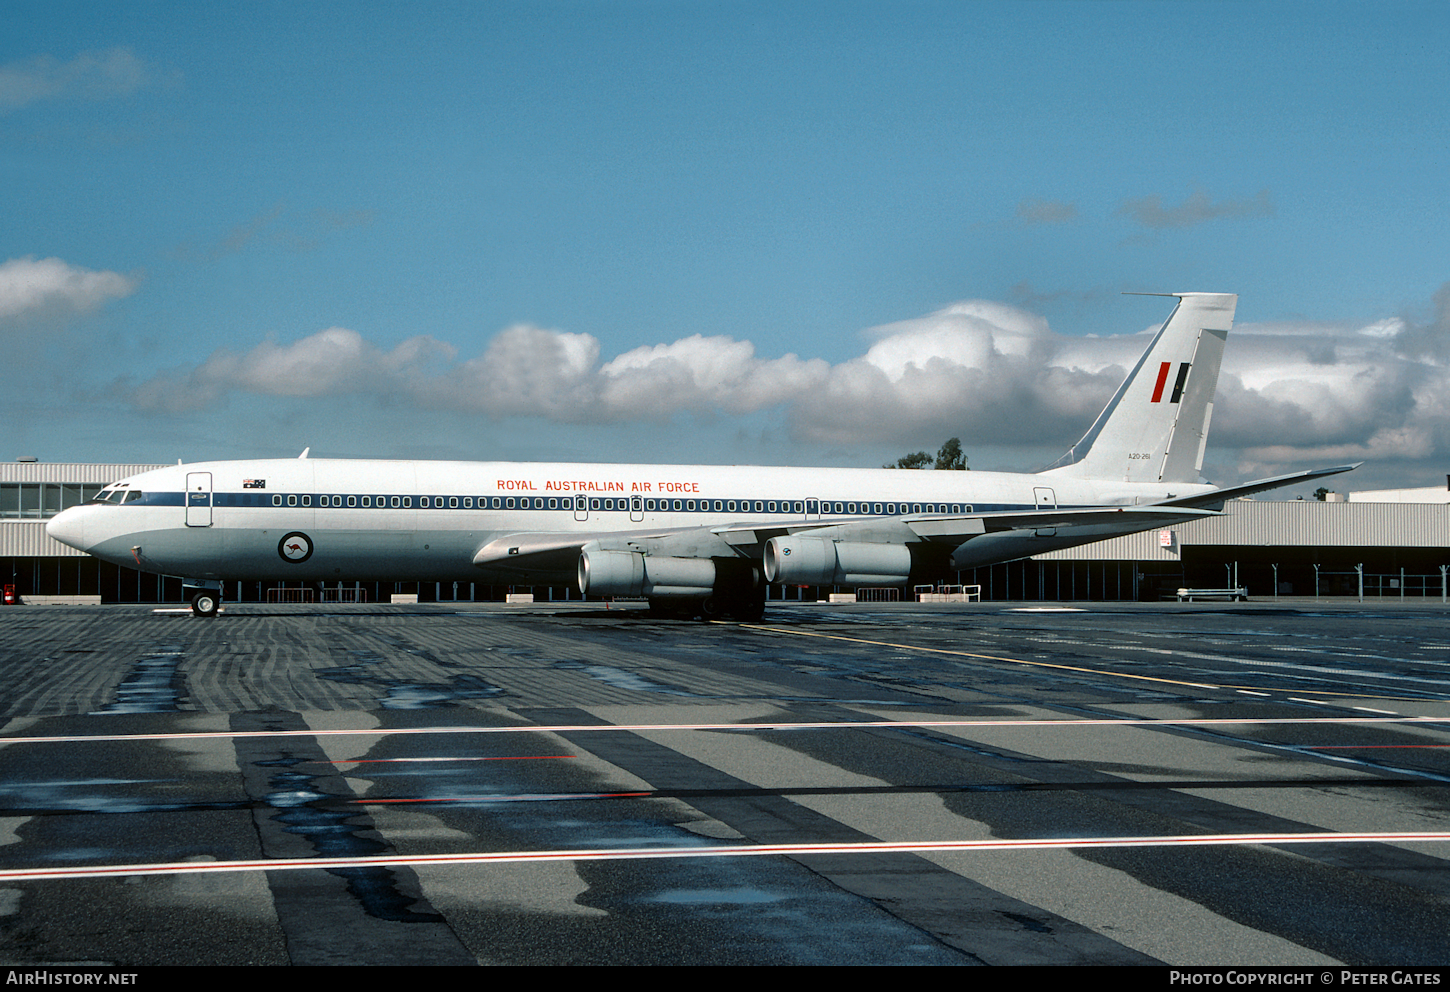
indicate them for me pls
(712, 608)
(204, 602)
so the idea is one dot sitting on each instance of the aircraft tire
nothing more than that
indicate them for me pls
(204, 603)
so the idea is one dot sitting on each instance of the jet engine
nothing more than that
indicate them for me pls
(627, 573)
(812, 561)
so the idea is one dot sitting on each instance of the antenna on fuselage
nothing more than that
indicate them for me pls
(304, 451)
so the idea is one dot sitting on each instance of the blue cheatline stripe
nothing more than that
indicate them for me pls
(565, 504)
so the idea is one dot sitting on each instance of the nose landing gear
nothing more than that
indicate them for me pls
(205, 599)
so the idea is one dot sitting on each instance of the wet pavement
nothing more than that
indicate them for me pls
(902, 745)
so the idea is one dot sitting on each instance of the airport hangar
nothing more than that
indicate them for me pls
(1382, 543)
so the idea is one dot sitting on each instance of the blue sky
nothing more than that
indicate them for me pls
(786, 233)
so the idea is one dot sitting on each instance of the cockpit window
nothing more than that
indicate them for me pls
(116, 494)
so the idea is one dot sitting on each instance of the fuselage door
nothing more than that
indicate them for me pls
(198, 499)
(636, 508)
(581, 507)
(1046, 498)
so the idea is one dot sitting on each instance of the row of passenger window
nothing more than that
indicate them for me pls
(595, 503)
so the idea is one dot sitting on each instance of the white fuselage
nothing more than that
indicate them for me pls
(423, 520)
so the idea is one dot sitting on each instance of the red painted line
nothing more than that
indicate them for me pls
(525, 797)
(380, 761)
(1162, 380)
(742, 850)
(667, 727)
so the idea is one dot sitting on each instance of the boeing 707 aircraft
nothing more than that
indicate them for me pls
(701, 539)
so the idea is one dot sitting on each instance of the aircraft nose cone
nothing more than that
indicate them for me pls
(68, 527)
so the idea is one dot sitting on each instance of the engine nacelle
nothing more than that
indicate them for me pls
(626, 573)
(811, 561)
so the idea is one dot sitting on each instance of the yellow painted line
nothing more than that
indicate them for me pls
(1063, 668)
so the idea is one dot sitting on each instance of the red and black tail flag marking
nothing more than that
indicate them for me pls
(1177, 384)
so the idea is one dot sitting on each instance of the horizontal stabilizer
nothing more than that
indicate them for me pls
(1214, 500)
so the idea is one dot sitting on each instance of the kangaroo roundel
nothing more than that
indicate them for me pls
(296, 547)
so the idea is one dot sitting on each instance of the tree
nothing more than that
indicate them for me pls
(949, 457)
(920, 459)
(1320, 493)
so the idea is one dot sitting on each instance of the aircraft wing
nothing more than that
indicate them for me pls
(1124, 519)
(530, 550)
(555, 551)
(1214, 500)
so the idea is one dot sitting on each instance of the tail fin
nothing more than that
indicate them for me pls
(1156, 425)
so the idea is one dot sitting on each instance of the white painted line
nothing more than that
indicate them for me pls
(1371, 709)
(1316, 702)
(742, 850)
(1250, 692)
(666, 727)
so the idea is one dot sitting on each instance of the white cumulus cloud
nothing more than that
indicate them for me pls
(29, 285)
(989, 373)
